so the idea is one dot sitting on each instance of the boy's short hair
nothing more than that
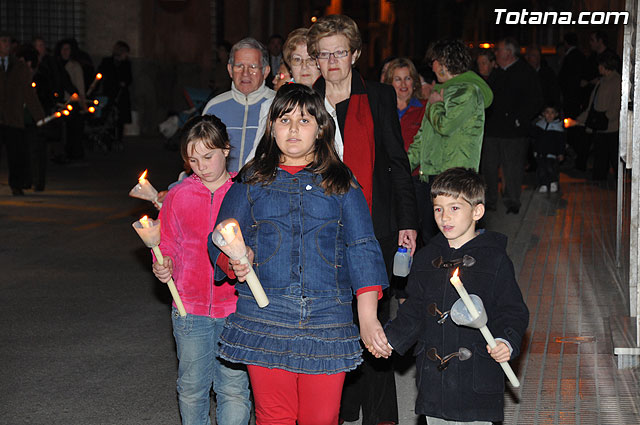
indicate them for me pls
(459, 182)
(553, 106)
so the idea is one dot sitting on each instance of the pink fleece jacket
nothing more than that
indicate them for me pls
(187, 217)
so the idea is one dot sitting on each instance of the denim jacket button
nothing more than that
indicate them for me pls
(308, 187)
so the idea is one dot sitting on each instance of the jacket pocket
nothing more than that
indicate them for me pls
(488, 377)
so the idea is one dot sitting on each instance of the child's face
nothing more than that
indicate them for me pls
(208, 164)
(550, 114)
(456, 219)
(295, 135)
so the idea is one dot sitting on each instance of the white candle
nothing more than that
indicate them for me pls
(146, 223)
(486, 333)
(235, 249)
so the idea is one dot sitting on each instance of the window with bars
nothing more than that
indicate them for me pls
(52, 20)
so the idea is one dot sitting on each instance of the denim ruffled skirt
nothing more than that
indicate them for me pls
(294, 333)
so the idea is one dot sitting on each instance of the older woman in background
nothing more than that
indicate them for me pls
(485, 62)
(369, 141)
(402, 74)
(303, 67)
(453, 124)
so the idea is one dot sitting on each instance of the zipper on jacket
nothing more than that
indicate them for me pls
(211, 279)
(244, 132)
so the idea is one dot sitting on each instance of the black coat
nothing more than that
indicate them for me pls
(470, 390)
(517, 99)
(393, 198)
(573, 70)
(116, 79)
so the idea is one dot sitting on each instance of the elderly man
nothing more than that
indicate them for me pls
(15, 92)
(517, 98)
(243, 108)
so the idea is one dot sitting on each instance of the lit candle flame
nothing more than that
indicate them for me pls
(55, 94)
(98, 76)
(65, 112)
(74, 96)
(58, 114)
(142, 176)
(92, 109)
(455, 274)
(95, 101)
(69, 107)
(33, 84)
(145, 222)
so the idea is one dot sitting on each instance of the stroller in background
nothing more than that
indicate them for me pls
(102, 128)
(196, 100)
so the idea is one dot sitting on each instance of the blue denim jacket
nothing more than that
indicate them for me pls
(305, 243)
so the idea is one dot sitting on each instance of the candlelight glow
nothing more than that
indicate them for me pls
(98, 76)
(74, 96)
(95, 101)
(69, 107)
(142, 176)
(65, 112)
(55, 94)
(455, 274)
(92, 109)
(33, 84)
(58, 114)
(566, 123)
(144, 221)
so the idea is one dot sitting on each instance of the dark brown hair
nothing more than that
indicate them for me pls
(336, 177)
(459, 182)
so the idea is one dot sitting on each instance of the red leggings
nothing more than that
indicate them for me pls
(283, 397)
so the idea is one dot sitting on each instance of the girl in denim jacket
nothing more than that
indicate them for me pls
(309, 235)
(188, 215)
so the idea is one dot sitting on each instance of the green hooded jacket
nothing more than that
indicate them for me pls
(451, 131)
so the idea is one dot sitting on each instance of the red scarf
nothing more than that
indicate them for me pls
(359, 143)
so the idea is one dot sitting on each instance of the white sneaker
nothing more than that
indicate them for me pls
(543, 189)
(553, 187)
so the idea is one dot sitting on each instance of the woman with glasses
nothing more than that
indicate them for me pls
(303, 67)
(369, 141)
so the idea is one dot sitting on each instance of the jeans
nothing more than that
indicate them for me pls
(199, 369)
(438, 421)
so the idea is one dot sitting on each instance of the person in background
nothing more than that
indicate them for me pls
(243, 107)
(309, 234)
(221, 80)
(551, 93)
(188, 214)
(282, 77)
(274, 47)
(369, 141)
(451, 130)
(605, 98)
(485, 63)
(65, 55)
(548, 148)
(116, 79)
(304, 68)
(402, 75)
(517, 100)
(16, 92)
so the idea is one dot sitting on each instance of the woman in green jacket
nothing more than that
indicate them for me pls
(453, 123)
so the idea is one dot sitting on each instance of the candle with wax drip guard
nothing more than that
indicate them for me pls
(149, 232)
(145, 190)
(228, 237)
(486, 333)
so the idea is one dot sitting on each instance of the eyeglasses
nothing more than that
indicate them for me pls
(462, 354)
(240, 67)
(298, 61)
(337, 54)
(432, 309)
(466, 261)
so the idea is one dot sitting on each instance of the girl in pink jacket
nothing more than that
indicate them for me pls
(188, 215)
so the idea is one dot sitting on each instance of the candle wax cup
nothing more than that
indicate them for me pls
(144, 190)
(149, 235)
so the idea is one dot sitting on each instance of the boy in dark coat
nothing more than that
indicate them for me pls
(460, 388)
(548, 147)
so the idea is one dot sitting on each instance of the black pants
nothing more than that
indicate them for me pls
(37, 165)
(17, 154)
(605, 154)
(581, 144)
(373, 385)
(510, 153)
(547, 169)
